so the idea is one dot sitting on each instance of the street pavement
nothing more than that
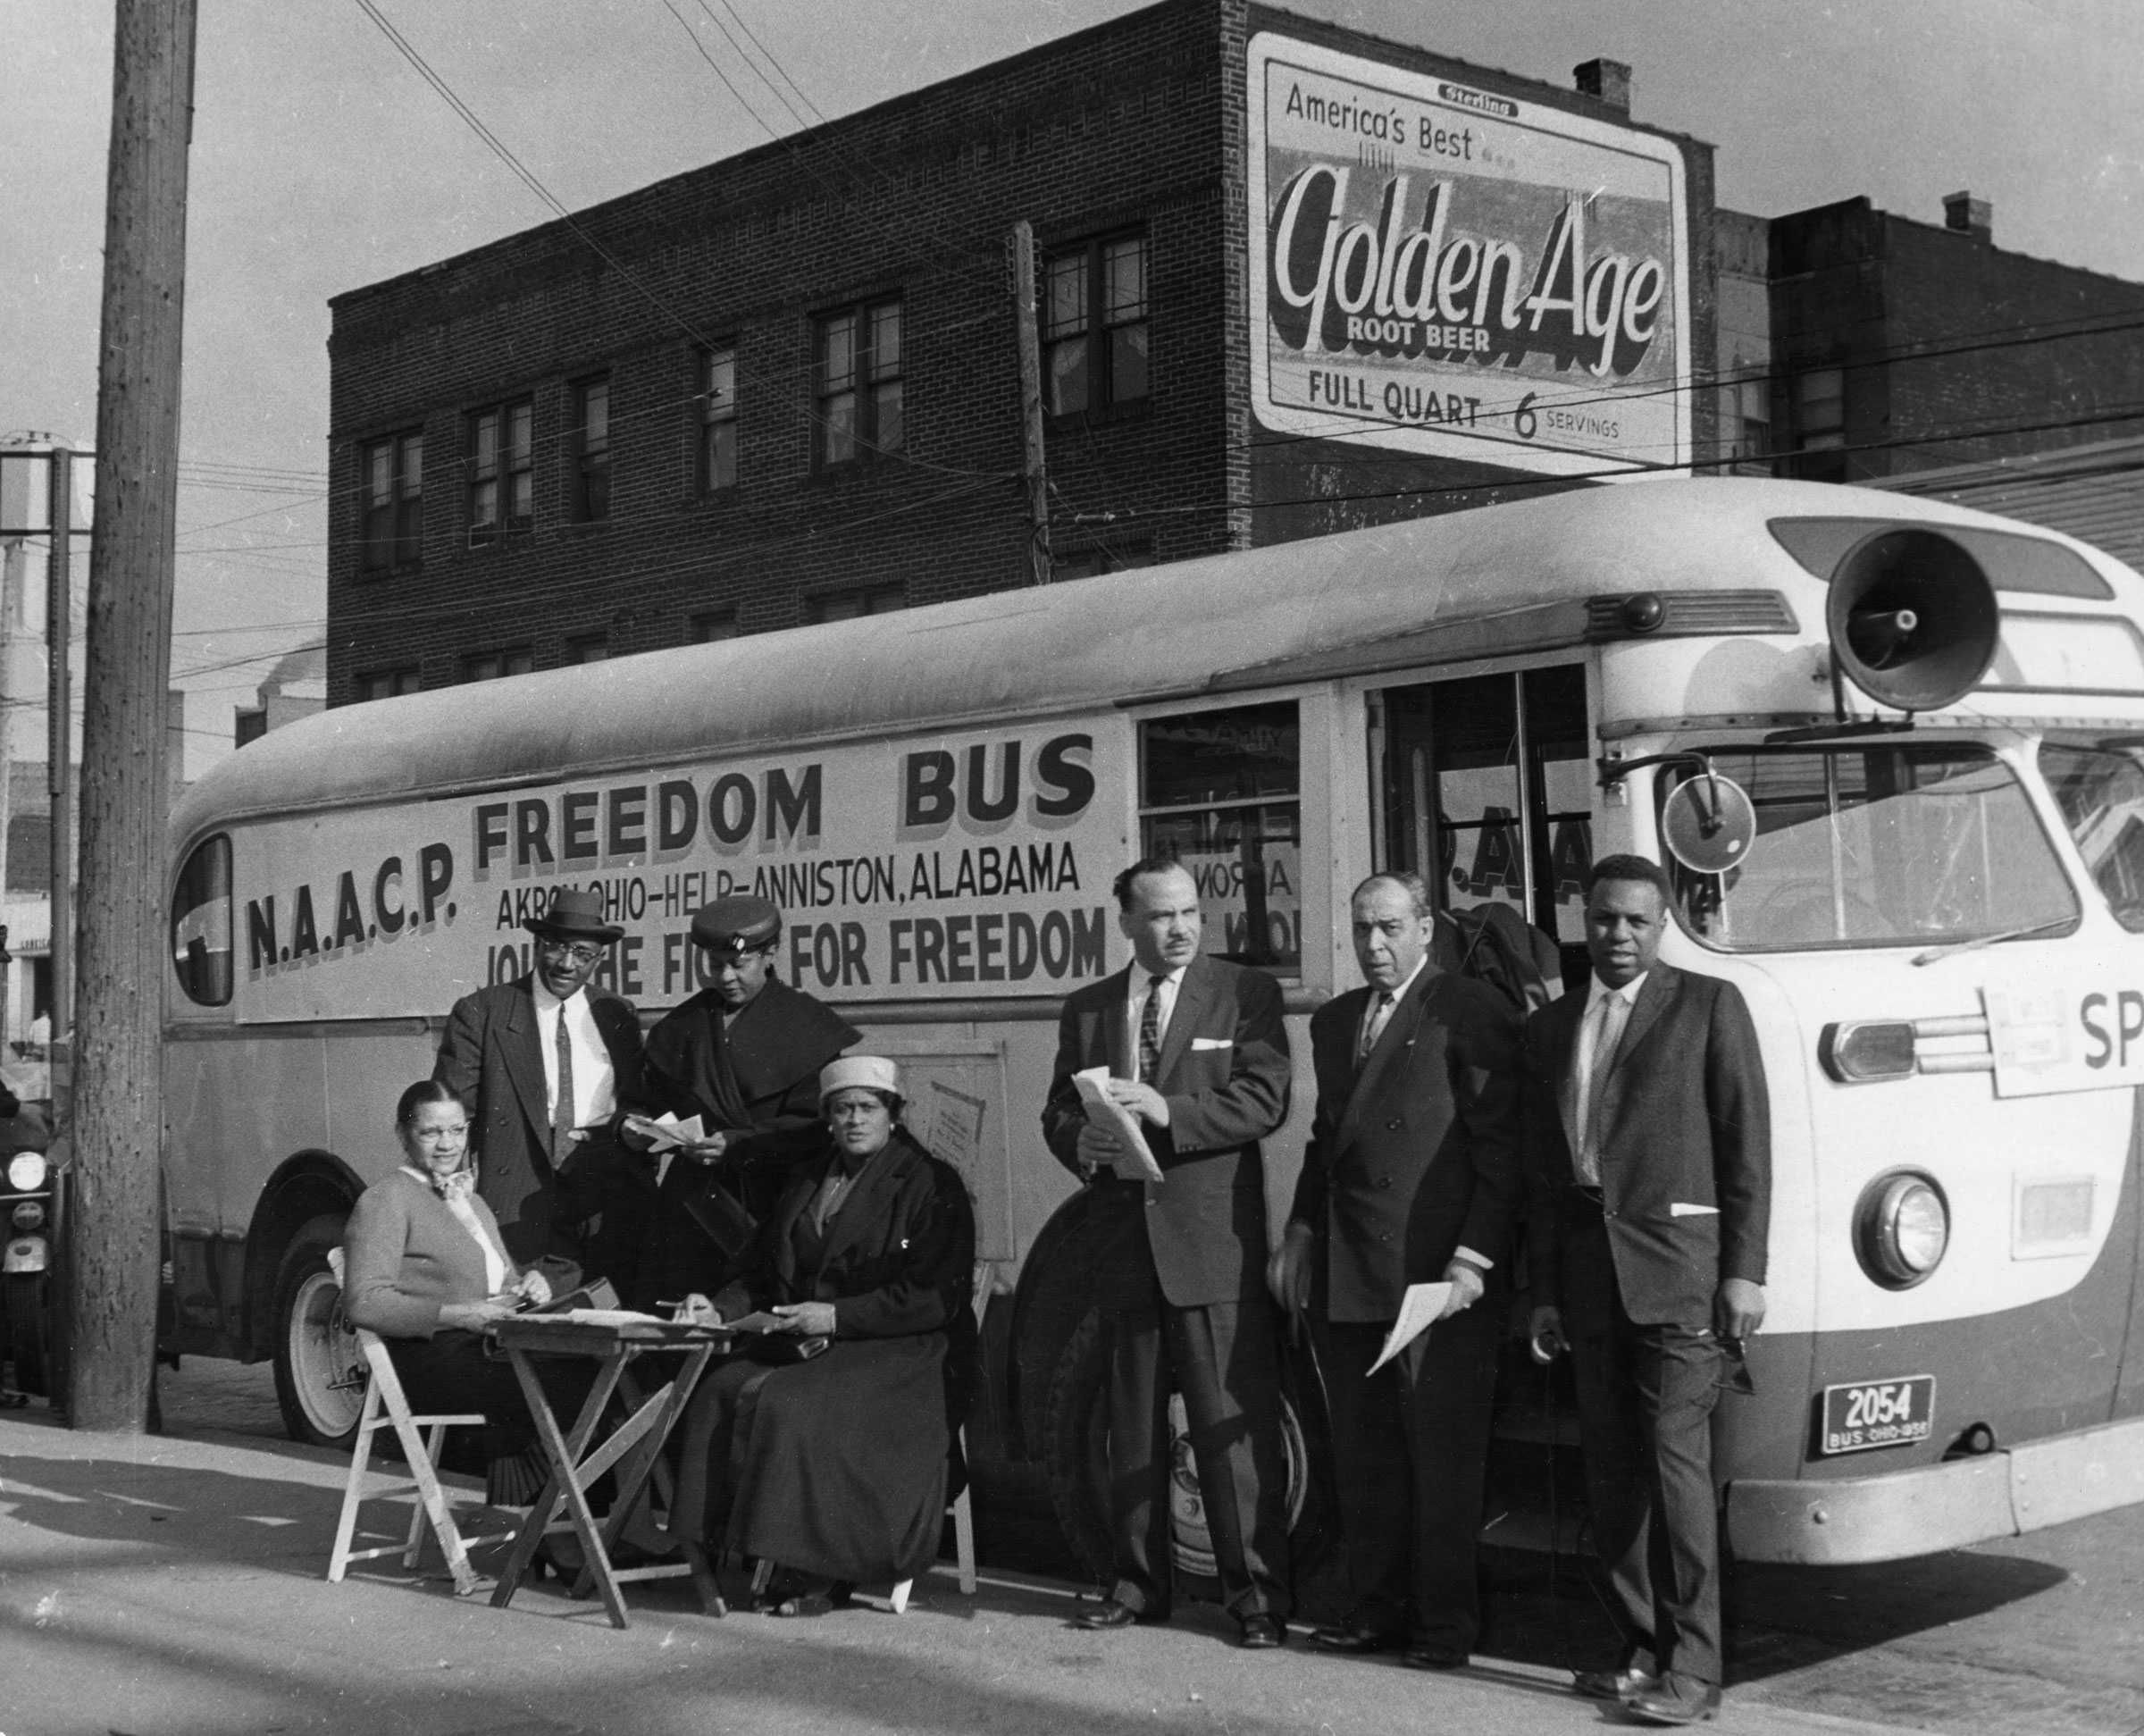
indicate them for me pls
(172, 1586)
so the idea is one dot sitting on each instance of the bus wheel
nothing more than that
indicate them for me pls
(1077, 1436)
(319, 1370)
(26, 1329)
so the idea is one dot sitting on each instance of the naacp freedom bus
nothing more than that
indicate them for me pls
(1893, 753)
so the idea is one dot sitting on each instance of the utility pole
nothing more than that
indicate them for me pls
(1031, 397)
(113, 1272)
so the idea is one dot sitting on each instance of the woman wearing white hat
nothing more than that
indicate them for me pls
(834, 1466)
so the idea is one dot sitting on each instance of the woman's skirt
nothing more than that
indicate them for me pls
(456, 1371)
(834, 1467)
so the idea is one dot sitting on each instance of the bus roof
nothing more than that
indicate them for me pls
(1140, 636)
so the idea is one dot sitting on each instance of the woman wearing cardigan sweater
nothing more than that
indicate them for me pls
(423, 1266)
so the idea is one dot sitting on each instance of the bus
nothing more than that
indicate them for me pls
(1892, 750)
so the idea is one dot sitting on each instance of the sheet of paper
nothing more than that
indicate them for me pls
(1135, 1161)
(667, 1131)
(1422, 1303)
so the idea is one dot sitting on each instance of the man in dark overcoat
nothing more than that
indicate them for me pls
(1196, 1050)
(505, 1052)
(1649, 1162)
(744, 1056)
(1412, 1176)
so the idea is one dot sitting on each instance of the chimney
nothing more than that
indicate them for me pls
(1606, 81)
(1969, 215)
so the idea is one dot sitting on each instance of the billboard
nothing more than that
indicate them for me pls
(1450, 271)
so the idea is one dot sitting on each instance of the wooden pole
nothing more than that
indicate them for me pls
(118, 1107)
(1031, 399)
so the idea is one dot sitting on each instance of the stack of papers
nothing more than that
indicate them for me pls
(1134, 1160)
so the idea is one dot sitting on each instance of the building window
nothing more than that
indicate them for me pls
(710, 626)
(1095, 325)
(860, 383)
(590, 500)
(491, 666)
(502, 486)
(718, 418)
(859, 600)
(394, 502)
(1820, 410)
(386, 683)
(588, 647)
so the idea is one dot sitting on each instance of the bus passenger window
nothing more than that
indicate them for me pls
(2100, 790)
(1877, 847)
(1221, 790)
(201, 924)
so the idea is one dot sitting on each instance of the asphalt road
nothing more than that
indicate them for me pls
(2040, 1636)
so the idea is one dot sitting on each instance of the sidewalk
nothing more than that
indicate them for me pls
(173, 1587)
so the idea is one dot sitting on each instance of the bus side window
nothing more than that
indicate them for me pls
(1221, 790)
(201, 924)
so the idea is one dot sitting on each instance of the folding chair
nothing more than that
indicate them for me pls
(385, 1407)
(961, 1507)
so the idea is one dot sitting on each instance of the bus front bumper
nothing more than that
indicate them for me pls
(2005, 1493)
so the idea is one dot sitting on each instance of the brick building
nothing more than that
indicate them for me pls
(787, 386)
(1902, 345)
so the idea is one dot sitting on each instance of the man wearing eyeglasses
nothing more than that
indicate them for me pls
(544, 1066)
(743, 1055)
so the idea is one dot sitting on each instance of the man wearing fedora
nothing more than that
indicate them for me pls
(744, 1056)
(543, 1067)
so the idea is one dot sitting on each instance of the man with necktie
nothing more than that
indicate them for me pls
(1412, 1176)
(543, 1065)
(1196, 1050)
(1649, 1163)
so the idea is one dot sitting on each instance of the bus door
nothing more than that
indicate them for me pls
(1483, 784)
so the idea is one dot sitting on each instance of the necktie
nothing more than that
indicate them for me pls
(1608, 1015)
(1150, 1030)
(562, 1106)
(1373, 1027)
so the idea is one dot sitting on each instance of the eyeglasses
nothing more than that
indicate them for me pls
(564, 949)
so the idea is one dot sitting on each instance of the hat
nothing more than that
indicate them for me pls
(577, 914)
(873, 1072)
(737, 924)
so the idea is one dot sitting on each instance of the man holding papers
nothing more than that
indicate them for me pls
(1411, 1183)
(1649, 1153)
(1196, 1063)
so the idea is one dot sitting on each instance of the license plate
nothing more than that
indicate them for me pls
(1870, 1413)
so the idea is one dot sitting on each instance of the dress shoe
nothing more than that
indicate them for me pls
(1262, 1633)
(1675, 1700)
(1359, 1641)
(1110, 1614)
(1612, 1684)
(1434, 1654)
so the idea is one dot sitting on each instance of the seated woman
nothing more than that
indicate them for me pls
(424, 1268)
(834, 1467)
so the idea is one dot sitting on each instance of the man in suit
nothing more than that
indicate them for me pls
(542, 1065)
(1412, 1176)
(1196, 1050)
(744, 1056)
(1649, 1147)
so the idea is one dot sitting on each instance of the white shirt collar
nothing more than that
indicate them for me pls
(1597, 991)
(1141, 977)
(1398, 990)
(546, 999)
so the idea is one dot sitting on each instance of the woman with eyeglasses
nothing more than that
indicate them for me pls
(424, 1267)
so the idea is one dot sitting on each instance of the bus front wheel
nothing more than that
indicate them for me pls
(1077, 1436)
(319, 1369)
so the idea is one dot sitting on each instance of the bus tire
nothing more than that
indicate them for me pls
(1078, 1437)
(25, 1316)
(319, 1369)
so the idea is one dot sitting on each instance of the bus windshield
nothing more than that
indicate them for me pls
(1874, 846)
(2100, 786)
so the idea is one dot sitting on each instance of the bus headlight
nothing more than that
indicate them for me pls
(1857, 1052)
(26, 1171)
(1901, 1229)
